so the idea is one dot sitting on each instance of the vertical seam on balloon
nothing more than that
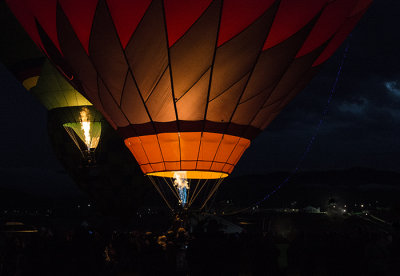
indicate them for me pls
(158, 81)
(230, 86)
(180, 151)
(255, 19)
(212, 64)
(56, 43)
(276, 7)
(145, 153)
(137, 26)
(194, 23)
(169, 62)
(76, 95)
(198, 150)
(123, 89)
(241, 151)
(201, 76)
(280, 99)
(171, 81)
(232, 152)
(98, 94)
(133, 78)
(162, 155)
(215, 154)
(254, 96)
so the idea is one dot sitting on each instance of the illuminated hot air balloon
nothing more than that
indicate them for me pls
(76, 114)
(113, 183)
(189, 84)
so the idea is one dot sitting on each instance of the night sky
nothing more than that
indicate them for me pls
(361, 129)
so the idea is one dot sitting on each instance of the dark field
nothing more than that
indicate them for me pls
(272, 243)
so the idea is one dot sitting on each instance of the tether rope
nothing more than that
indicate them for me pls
(309, 144)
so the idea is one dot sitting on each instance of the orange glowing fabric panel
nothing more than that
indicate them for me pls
(187, 151)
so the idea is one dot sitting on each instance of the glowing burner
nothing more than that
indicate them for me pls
(85, 133)
(182, 185)
(85, 125)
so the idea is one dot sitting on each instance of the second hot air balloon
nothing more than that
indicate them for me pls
(76, 114)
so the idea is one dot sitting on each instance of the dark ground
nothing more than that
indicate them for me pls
(272, 244)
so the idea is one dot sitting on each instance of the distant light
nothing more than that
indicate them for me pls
(345, 206)
(362, 205)
(79, 206)
(344, 210)
(88, 205)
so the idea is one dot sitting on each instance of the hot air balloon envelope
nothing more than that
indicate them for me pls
(189, 84)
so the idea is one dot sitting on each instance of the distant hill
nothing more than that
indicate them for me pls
(313, 187)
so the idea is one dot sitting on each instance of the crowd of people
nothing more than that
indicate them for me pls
(205, 251)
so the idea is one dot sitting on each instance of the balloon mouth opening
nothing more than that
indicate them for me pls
(190, 174)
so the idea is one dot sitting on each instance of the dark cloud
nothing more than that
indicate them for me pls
(394, 88)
